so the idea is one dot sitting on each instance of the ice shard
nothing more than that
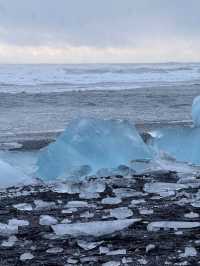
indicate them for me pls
(89, 145)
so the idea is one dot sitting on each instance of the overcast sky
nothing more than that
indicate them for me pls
(78, 31)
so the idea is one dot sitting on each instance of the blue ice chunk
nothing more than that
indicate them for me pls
(182, 143)
(196, 111)
(89, 145)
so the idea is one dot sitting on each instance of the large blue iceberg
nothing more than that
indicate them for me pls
(182, 143)
(89, 145)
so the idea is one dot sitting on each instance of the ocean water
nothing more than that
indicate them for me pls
(57, 78)
(36, 100)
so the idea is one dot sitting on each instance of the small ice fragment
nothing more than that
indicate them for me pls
(17, 222)
(161, 187)
(8, 230)
(117, 252)
(47, 220)
(126, 192)
(88, 245)
(76, 204)
(189, 252)
(87, 214)
(137, 202)
(23, 207)
(54, 250)
(70, 210)
(26, 256)
(66, 221)
(89, 145)
(10, 242)
(111, 201)
(40, 204)
(155, 226)
(103, 250)
(191, 215)
(146, 211)
(72, 261)
(142, 261)
(150, 247)
(98, 228)
(111, 263)
(121, 213)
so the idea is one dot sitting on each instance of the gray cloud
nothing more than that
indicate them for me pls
(97, 23)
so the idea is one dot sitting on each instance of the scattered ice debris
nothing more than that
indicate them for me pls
(26, 256)
(196, 111)
(54, 250)
(89, 145)
(88, 245)
(111, 201)
(150, 247)
(40, 204)
(10, 242)
(87, 187)
(16, 222)
(23, 207)
(189, 252)
(47, 220)
(156, 226)
(98, 228)
(121, 213)
(8, 230)
(191, 215)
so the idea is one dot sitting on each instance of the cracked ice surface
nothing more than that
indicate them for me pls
(89, 145)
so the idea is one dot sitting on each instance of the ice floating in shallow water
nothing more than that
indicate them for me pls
(89, 145)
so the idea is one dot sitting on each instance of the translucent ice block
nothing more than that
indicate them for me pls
(89, 145)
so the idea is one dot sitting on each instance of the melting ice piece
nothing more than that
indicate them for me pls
(196, 111)
(182, 143)
(89, 145)
(10, 176)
